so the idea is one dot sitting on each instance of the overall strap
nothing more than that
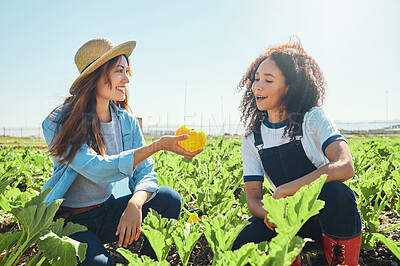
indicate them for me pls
(258, 142)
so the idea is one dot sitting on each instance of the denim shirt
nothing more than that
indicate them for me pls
(117, 169)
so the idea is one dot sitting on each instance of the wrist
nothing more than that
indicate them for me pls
(158, 145)
(139, 198)
(135, 203)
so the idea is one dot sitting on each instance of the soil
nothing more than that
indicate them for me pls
(202, 254)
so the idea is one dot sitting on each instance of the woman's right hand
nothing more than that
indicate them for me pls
(167, 143)
(270, 225)
(170, 143)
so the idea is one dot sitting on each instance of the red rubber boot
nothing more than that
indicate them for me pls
(342, 252)
(297, 261)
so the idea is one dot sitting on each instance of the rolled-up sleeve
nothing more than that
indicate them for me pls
(103, 168)
(252, 166)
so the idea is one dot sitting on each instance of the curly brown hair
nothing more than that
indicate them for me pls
(306, 87)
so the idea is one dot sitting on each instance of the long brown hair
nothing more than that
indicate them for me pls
(305, 81)
(78, 122)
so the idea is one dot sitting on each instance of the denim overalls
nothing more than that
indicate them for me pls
(288, 162)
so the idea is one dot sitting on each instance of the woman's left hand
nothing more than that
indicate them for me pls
(130, 225)
(285, 190)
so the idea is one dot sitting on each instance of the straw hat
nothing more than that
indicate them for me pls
(96, 52)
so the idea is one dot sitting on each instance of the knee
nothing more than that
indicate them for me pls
(255, 232)
(338, 194)
(172, 200)
(340, 216)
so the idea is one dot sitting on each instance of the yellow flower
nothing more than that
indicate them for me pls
(193, 218)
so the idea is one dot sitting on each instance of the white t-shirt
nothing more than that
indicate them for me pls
(318, 132)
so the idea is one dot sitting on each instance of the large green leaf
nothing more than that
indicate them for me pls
(9, 239)
(282, 250)
(294, 211)
(185, 237)
(158, 231)
(36, 218)
(62, 250)
(66, 230)
(238, 257)
(222, 230)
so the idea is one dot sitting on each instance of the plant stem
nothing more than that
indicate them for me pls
(14, 254)
(41, 261)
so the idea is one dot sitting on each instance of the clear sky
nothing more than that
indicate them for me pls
(208, 44)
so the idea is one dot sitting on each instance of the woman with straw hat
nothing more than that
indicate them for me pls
(102, 166)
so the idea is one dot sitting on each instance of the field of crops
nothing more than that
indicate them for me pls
(212, 190)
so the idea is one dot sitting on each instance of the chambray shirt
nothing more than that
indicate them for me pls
(117, 169)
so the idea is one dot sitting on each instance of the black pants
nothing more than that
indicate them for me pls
(102, 223)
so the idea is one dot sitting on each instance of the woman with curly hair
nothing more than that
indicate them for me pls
(292, 142)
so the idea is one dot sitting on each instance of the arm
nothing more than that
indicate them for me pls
(111, 168)
(253, 176)
(340, 168)
(168, 143)
(254, 195)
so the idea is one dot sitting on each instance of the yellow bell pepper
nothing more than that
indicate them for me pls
(196, 140)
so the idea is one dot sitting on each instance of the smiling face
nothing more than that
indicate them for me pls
(114, 90)
(269, 87)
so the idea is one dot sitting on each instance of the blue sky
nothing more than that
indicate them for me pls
(208, 44)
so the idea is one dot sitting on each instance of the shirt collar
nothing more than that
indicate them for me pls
(118, 110)
(275, 125)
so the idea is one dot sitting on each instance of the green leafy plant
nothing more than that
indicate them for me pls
(221, 231)
(185, 237)
(158, 231)
(58, 248)
(377, 186)
(36, 222)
